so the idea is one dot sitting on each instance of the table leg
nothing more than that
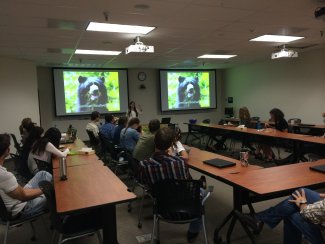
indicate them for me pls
(189, 129)
(109, 225)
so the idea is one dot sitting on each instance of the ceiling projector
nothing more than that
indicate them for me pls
(320, 13)
(285, 53)
(139, 47)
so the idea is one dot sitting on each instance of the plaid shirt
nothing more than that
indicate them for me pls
(315, 213)
(163, 166)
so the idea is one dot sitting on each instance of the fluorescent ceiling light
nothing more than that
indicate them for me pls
(106, 27)
(218, 56)
(97, 52)
(276, 38)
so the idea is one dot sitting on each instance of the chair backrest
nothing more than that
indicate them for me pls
(104, 143)
(16, 144)
(43, 165)
(166, 120)
(206, 121)
(20, 167)
(93, 140)
(177, 199)
(255, 118)
(295, 121)
(4, 214)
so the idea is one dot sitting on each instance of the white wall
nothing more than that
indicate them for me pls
(19, 96)
(297, 86)
(148, 99)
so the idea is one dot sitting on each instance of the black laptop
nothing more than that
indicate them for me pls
(319, 168)
(219, 163)
(165, 120)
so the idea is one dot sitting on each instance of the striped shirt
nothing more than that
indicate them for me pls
(315, 213)
(163, 166)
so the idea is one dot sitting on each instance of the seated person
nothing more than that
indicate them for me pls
(129, 135)
(25, 128)
(146, 146)
(107, 129)
(93, 124)
(177, 148)
(27, 200)
(44, 148)
(303, 214)
(34, 134)
(280, 124)
(121, 124)
(164, 166)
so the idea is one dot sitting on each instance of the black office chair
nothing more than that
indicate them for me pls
(105, 152)
(21, 172)
(71, 226)
(44, 166)
(10, 221)
(17, 145)
(94, 142)
(117, 157)
(178, 202)
(294, 129)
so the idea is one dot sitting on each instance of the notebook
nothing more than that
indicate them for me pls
(219, 163)
(319, 168)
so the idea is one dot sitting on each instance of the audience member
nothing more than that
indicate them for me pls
(163, 166)
(146, 145)
(93, 125)
(177, 148)
(27, 200)
(108, 128)
(121, 124)
(303, 214)
(25, 128)
(44, 148)
(129, 135)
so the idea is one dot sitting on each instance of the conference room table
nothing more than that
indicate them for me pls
(254, 184)
(90, 185)
(298, 140)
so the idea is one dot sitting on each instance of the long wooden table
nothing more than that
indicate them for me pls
(90, 185)
(297, 139)
(253, 183)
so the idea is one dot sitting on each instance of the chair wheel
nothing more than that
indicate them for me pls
(139, 225)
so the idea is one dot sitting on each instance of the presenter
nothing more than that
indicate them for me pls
(133, 111)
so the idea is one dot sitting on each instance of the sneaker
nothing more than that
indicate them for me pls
(191, 237)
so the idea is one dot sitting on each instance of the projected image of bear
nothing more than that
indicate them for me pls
(92, 94)
(188, 92)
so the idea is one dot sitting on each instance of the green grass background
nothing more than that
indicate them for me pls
(172, 86)
(71, 84)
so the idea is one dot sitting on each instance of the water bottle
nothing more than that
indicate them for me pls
(244, 155)
(258, 125)
(63, 168)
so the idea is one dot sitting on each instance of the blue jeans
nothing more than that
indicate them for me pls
(37, 204)
(294, 224)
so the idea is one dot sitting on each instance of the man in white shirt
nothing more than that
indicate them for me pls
(18, 200)
(93, 124)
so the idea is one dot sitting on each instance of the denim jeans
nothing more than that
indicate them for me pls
(39, 203)
(294, 224)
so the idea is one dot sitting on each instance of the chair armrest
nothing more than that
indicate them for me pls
(207, 194)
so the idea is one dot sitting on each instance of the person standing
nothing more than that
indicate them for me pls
(134, 110)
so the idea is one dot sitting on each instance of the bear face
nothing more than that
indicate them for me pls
(188, 92)
(92, 94)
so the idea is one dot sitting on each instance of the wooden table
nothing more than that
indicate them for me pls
(298, 139)
(91, 185)
(253, 184)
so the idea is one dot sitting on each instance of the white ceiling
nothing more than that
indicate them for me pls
(48, 31)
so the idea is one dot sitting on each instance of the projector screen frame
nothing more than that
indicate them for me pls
(187, 111)
(75, 115)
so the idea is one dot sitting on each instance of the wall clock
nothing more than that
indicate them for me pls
(142, 76)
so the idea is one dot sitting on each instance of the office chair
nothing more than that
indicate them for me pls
(10, 221)
(22, 174)
(117, 156)
(104, 149)
(17, 145)
(293, 129)
(44, 166)
(71, 226)
(178, 202)
(94, 142)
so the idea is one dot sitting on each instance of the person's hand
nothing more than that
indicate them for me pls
(322, 195)
(298, 197)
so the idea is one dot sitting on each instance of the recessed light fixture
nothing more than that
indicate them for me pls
(276, 38)
(96, 52)
(217, 56)
(106, 27)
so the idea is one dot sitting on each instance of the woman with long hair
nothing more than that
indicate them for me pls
(44, 148)
(129, 135)
(133, 110)
(177, 148)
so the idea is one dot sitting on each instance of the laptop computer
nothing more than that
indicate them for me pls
(219, 163)
(165, 120)
(318, 168)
